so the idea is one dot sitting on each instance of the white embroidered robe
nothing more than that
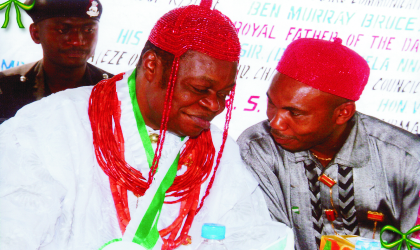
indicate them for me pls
(54, 195)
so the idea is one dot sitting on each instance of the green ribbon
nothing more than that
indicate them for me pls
(18, 15)
(147, 234)
(109, 242)
(141, 125)
(404, 237)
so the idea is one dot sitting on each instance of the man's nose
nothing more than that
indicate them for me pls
(212, 102)
(76, 38)
(279, 122)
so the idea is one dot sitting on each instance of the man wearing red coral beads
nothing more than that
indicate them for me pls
(133, 163)
(324, 167)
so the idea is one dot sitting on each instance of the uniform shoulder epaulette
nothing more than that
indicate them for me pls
(19, 70)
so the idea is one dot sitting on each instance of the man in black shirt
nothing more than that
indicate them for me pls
(67, 31)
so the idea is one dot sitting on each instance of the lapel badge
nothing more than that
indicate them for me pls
(327, 180)
(375, 216)
(329, 213)
(295, 210)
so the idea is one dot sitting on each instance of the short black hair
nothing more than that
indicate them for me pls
(166, 58)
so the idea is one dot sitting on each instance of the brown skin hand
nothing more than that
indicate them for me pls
(304, 118)
(200, 91)
(67, 43)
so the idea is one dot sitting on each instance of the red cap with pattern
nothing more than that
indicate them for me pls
(197, 28)
(328, 66)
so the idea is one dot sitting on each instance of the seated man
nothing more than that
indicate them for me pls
(315, 142)
(133, 163)
(68, 36)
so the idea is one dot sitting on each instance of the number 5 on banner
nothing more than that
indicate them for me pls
(253, 103)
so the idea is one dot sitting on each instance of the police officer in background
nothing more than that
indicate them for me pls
(67, 31)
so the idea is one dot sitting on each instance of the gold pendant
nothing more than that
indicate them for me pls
(154, 138)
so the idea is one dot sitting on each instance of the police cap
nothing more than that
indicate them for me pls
(45, 9)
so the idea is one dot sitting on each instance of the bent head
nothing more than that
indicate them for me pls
(311, 98)
(203, 49)
(302, 117)
(200, 91)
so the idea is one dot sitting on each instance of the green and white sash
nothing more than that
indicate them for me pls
(142, 232)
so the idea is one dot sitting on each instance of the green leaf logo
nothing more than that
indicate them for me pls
(18, 4)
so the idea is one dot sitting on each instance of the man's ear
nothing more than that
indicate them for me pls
(150, 65)
(34, 31)
(345, 112)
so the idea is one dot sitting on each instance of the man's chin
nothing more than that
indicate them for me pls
(76, 63)
(194, 133)
(290, 147)
(191, 132)
(72, 62)
(72, 65)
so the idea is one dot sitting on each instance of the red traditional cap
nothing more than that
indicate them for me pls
(327, 66)
(197, 28)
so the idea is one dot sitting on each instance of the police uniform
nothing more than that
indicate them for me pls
(25, 84)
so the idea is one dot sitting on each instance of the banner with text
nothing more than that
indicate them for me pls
(385, 32)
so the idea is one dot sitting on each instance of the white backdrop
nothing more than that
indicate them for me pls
(385, 32)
